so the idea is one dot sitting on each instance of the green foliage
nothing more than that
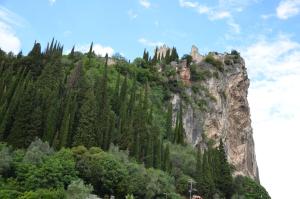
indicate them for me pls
(86, 130)
(37, 152)
(78, 190)
(188, 59)
(5, 160)
(56, 171)
(44, 193)
(215, 62)
(247, 188)
(118, 112)
(179, 130)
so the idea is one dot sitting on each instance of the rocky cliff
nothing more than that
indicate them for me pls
(216, 107)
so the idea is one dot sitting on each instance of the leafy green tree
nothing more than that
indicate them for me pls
(247, 188)
(44, 193)
(56, 171)
(78, 190)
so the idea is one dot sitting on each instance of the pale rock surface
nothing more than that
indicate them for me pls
(227, 116)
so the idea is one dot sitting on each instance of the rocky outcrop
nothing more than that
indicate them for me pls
(218, 109)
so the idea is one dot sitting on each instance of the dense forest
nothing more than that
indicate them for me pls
(86, 126)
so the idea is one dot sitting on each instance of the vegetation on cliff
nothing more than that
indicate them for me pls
(73, 125)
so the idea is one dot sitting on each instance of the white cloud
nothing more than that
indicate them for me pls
(288, 8)
(235, 28)
(267, 16)
(188, 4)
(221, 15)
(237, 5)
(274, 69)
(145, 3)
(220, 12)
(52, 2)
(132, 14)
(150, 43)
(8, 39)
(97, 48)
(211, 12)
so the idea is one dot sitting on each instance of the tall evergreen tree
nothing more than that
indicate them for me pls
(155, 57)
(91, 52)
(27, 124)
(116, 96)
(86, 132)
(166, 164)
(157, 151)
(207, 186)
(225, 180)
(72, 53)
(167, 57)
(146, 56)
(179, 130)
(169, 123)
(103, 106)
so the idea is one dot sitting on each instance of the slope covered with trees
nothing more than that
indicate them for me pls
(72, 125)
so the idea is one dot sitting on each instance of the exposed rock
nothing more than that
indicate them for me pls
(227, 114)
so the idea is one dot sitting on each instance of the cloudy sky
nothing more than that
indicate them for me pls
(266, 32)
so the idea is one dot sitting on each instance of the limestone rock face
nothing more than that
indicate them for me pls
(220, 110)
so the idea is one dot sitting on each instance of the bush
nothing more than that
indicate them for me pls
(5, 160)
(56, 171)
(37, 152)
(247, 188)
(78, 190)
(215, 62)
(44, 193)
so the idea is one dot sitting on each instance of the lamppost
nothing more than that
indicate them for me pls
(191, 181)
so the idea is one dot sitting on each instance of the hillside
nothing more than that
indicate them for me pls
(78, 124)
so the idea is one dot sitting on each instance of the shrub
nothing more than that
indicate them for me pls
(78, 190)
(44, 193)
(215, 62)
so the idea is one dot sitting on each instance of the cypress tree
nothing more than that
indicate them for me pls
(169, 123)
(85, 132)
(122, 133)
(146, 56)
(148, 155)
(72, 53)
(207, 187)
(66, 121)
(27, 124)
(225, 181)
(103, 106)
(90, 53)
(174, 55)
(179, 130)
(166, 165)
(116, 96)
(167, 56)
(155, 57)
(157, 148)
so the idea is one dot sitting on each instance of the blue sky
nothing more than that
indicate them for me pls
(266, 32)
